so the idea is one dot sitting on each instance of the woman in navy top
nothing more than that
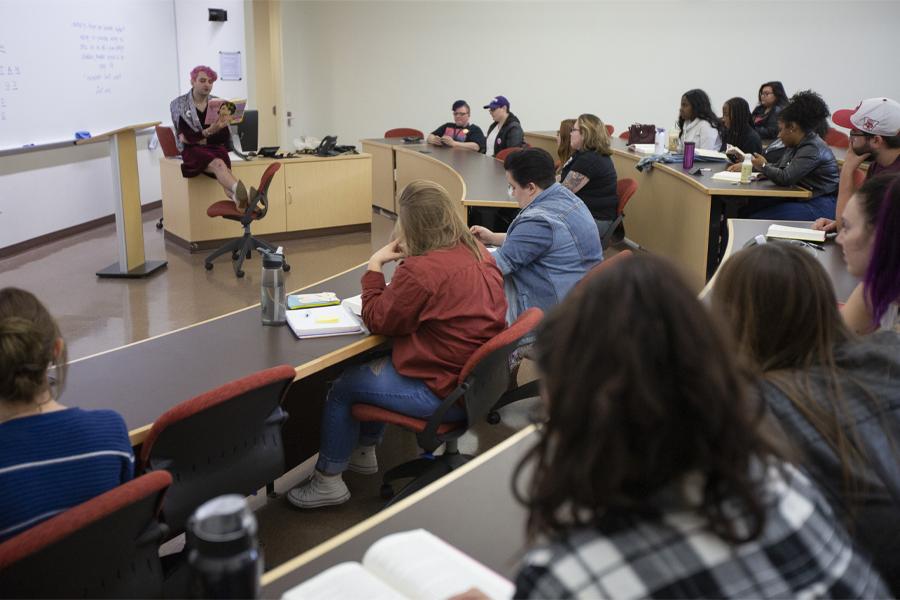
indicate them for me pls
(51, 457)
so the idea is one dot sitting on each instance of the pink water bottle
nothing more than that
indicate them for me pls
(688, 161)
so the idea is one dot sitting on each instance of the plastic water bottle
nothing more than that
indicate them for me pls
(272, 301)
(661, 141)
(746, 169)
(223, 551)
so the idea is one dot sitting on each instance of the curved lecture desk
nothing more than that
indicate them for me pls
(676, 214)
(741, 231)
(471, 178)
(144, 379)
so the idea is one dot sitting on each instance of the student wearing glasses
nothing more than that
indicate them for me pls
(772, 98)
(590, 173)
(874, 135)
(460, 133)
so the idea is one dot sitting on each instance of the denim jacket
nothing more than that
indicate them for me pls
(549, 247)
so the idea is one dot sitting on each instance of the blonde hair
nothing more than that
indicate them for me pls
(593, 134)
(28, 337)
(427, 220)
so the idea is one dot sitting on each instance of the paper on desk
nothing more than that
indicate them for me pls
(732, 176)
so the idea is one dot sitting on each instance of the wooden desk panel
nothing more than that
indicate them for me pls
(383, 191)
(328, 194)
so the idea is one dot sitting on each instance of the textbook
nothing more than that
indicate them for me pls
(234, 107)
(786, 232)
(322, 321)
(733, 176)
(407, 565)
(295, 301)
(710, 154)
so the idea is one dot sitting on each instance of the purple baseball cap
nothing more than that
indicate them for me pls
(497, 102)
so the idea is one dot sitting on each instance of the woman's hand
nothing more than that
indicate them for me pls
(759, 161)
(826, 225)
(388, 253)
(448, 141)
(484, 235)
(734, 168)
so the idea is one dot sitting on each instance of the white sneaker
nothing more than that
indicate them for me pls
(364, 461)
(320, 490)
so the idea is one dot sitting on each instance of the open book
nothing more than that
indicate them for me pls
(733, 176)
(710, 154)
(323, 321)
(235, 108)
(786, 232)
(408, 565)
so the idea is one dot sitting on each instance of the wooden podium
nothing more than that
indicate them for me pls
(127, 190)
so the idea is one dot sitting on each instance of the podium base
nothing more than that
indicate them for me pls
(144, 270)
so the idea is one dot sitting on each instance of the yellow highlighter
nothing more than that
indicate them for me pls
(327, 320)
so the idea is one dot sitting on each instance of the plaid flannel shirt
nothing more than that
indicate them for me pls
(803, 552)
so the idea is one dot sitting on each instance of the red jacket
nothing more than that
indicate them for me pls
(440, 307)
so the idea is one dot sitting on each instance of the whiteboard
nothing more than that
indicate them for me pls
(84, 65)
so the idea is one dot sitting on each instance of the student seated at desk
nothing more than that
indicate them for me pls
(697, 122)
(737, 127)
(564, 141)
(460, 133)
(445, 300)
(655, 475)
(772, 98)
(590, 173)
(870, 237)
(550, 245)
(807, 162)
(837, 396)
(51, 457)
(205, 147)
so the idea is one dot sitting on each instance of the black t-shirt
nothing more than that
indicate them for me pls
(748, 142)
(469, 133)
(599, 194)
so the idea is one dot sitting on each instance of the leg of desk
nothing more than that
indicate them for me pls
(716, 234)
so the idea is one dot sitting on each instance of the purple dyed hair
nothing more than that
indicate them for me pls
(881, 203)
(208, 70)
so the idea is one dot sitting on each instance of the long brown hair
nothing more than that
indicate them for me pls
(427, 220)
(564, 149)
(641, 391)
(28, 337)
(782, 309)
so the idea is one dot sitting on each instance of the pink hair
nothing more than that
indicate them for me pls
(208, 70)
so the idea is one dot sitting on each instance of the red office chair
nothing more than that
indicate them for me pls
(403, 132)
(167, 143)
(609, 130)
(625, 189)
(836, 138)
(481, 382)
(859, 178)
(624, 135)
(107, 547)
(225, 441)
(501, 156)
(244, 246)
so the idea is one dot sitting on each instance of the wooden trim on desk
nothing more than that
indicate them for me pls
(333, 358)
(431, 158)
(378, 518)
(492, 203)
(729, 248)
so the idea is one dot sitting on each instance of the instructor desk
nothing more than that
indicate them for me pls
(675, 214)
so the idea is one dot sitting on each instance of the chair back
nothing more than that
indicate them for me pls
(609, 129)
(485, 376)
(225, 441)
(501, 156)
(836, 138)
(400, 132)
(624, 135)
(625, 189)
(167, 142)
(107, 547)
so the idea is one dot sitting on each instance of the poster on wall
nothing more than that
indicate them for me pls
(229, 66)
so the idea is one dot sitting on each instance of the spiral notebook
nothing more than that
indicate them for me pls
(323, 321)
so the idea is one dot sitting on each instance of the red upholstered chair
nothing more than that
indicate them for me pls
(225, 441)
(166, 138)
(859, 178)
(624, 135)
(244, 246)
(609, 130)
(836, 138)
(400, 132)
(482, 381)
(625, 189)
(107, 547)
(501, 156)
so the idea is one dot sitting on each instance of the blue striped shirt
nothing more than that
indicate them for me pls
(53, 461)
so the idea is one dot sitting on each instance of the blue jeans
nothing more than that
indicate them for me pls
(812, 209)
(376, 383)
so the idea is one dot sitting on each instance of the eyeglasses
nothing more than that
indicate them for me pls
(859, 134)
(767, 93)
(460, 114)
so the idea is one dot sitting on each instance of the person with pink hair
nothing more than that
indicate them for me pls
(204, 148)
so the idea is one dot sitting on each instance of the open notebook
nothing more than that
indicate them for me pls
(787, 232)
(408, 565)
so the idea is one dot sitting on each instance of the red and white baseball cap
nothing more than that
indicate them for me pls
(876, 116)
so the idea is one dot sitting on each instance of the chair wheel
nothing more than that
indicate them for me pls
(493, 417)
(208, 266)
(240, 273)
(159, 226)
(235, 256)
(386, 492)
(285, 267)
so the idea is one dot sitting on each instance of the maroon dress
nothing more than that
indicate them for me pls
(195, 156)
